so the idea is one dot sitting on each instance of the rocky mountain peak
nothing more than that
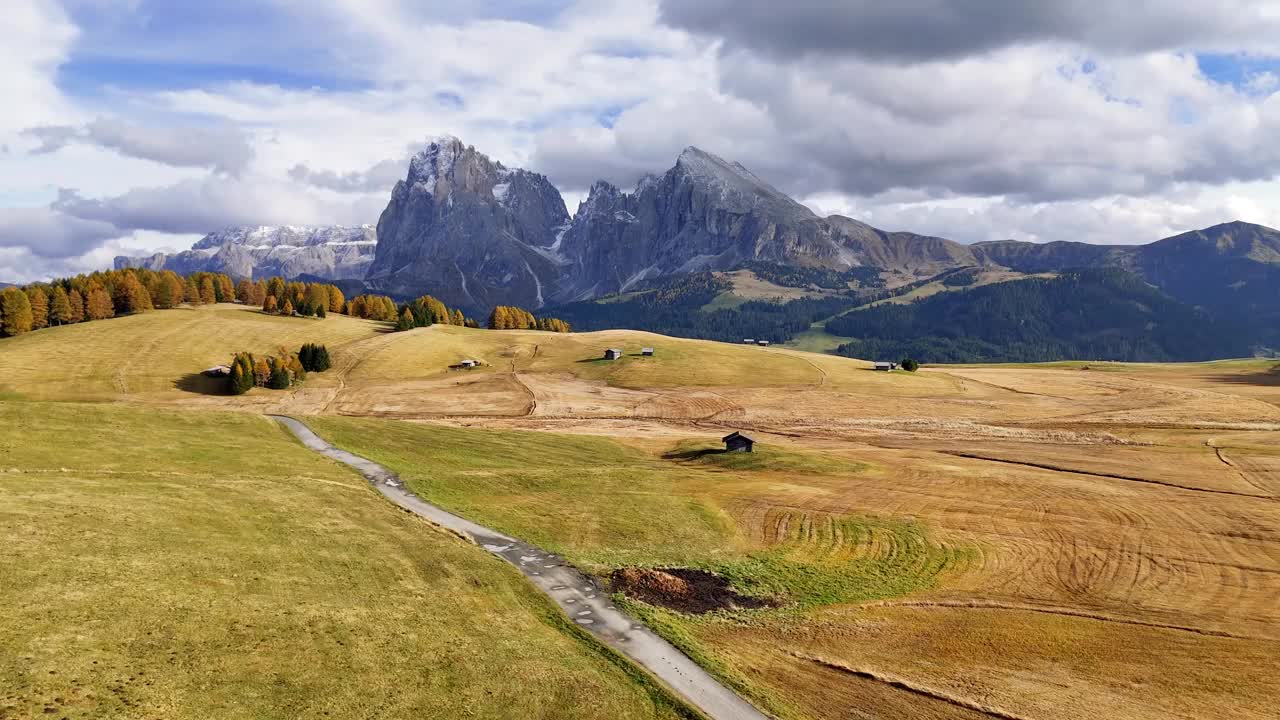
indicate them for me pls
(470, 230)
(731, 184)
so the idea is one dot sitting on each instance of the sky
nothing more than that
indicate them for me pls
(133, 126)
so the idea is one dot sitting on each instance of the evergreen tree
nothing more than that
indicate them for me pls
(275, 287)
(406, 321)
(59, 307)
(279, 379)
(39, 307)
(472, 323)
(130, 296)
(288, 308)
(242, 373)
(336, 299)
(97, 306)
(244, 292)
(76, 302)
(208, 295)
(261, 372)
(321, 311)
(455, 318)
(191, 293)
(269, 305)
(15, 307)
(223, 288)
(317, 296)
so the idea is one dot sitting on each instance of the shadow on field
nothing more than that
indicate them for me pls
(201, 384)
(693, 453)
(1267, 378)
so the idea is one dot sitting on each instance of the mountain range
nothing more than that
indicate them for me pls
(336, 253)
(476, 233)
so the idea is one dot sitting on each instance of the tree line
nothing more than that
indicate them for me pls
(509, 317)
(106, 294)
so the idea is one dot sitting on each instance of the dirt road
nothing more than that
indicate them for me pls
(577, 594)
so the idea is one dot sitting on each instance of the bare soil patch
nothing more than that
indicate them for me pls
(684, 589)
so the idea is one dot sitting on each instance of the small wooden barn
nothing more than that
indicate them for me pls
(748, 341)
(762, 343)
(647, 352)
(886, 366)
(737, 442)
(469, 364)
(218, 371)
(612, 354)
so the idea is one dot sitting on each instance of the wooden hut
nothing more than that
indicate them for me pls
(737, 442)
(612, 354)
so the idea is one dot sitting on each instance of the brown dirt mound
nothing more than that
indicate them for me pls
(683, 589)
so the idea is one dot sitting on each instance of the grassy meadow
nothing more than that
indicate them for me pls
(606, 505)
(184, 565)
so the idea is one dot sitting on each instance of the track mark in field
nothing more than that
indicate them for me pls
(353, 361)
(1109, 476)
(910, 687)
(533, 399)
(515, 376)
(1239, 468)
(1068, 612)
(822, 374)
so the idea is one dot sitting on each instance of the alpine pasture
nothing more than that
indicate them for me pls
(1039, 542)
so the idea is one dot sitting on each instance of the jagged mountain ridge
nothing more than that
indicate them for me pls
(469, 230)
(335, 252)
(475, 233)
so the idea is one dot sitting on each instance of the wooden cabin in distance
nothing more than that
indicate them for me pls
(612, 354)
(646, 352)
(737, 442)
(886, 366)
(762, 343)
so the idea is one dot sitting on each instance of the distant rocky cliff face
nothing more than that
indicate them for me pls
(477, 234)
(472, 232)
(710, 214)
(337, 253)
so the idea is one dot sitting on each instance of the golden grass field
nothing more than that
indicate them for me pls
(1035, 542)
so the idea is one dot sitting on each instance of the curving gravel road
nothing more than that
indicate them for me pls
(577, 594)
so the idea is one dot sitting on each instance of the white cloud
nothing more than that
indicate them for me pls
(220, 148)
(1061, 123)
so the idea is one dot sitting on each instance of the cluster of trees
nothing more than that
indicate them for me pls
(1093, 314)
(277, 372)
(507, 317)
(101, 295)
(426, 311)
(314, 358)
(372, 307)
(293, 298)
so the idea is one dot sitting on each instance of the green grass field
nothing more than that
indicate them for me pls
(184, 565)
(151, 352)
(605, 505)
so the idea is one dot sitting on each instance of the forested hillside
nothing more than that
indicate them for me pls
(1087, 314)
(675, 307)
